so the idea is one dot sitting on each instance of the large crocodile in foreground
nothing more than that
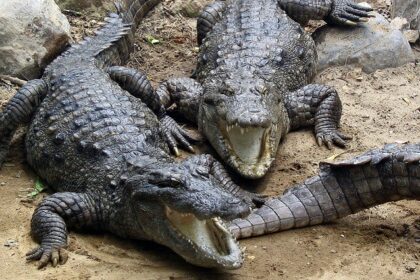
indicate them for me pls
(95, 142)
(254, 66)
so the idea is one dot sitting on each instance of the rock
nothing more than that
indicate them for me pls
(32, 33)
(11, 243)
(400, 23)
(412, 36)
(409, 9)
(373, 45)
(190, 9)
(99, 6)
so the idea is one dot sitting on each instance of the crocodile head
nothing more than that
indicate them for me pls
(181, 206)
(244, 122)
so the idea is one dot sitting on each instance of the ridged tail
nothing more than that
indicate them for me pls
(114, 42)
(340, 189)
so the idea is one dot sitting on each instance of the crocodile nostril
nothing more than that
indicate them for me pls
(260, 121)
(234, 200)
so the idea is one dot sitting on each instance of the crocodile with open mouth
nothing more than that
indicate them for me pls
(254, 66)
(92, 139)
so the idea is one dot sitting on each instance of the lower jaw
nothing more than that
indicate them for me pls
(251, 171)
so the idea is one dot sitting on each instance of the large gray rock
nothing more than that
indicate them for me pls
(32, 33)
(409, 9)
(373, 45)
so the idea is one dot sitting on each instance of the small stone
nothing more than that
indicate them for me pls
(2, 183)
(19, 174)
(333, 251)
(251, 258)
(365, 4)
(190, 9)
(11, 243)
(410, 269)
(411, 35)
(408, 9)
(399, 23)
(346, 89)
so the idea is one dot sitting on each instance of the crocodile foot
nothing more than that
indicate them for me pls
(347, 12)
(48, 253)
(330, 137)
(253, 199)
(175, 134)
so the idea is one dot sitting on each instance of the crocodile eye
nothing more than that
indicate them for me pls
(175, 182)
(202, 171)
(261, 89)
(166, 179)
(215, 99)
(228, 92)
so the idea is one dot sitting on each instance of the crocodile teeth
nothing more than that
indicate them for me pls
(247, 142)
(210, 237)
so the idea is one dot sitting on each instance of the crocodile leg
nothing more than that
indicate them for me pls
(332, 11)
(216, 169)
(317, 105)
(220, 173)
(210, 15)
(19, 110)
(340, 189)
(51, 219)
(185, 93)
(138, 85)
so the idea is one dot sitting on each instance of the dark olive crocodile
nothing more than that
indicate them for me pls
(97, 136)
(254, 66)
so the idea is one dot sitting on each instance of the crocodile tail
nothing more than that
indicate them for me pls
(113, 43)
(340, 189)
(130, 13)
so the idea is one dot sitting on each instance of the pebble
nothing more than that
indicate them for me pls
(11, 243)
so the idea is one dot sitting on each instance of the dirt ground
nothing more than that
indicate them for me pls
(379, 243)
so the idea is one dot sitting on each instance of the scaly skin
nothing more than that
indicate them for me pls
(93, 140)
(340, 189)
(253, 71)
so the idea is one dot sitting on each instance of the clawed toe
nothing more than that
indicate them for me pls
(175, 135)
(53, 255)
(332, 138)
(350, 13)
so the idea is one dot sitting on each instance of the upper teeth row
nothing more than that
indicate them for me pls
(243, 129)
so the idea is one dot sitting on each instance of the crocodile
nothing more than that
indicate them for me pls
(99, 136)
(341, 188)
(254, 67)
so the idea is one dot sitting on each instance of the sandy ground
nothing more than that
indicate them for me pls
(379, 243)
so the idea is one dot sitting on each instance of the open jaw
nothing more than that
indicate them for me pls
(213, 243)
(250, 149)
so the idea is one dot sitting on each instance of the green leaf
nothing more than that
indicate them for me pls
(38, 188)
(152, 40)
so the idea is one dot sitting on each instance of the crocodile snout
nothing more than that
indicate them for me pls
(250, 118)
